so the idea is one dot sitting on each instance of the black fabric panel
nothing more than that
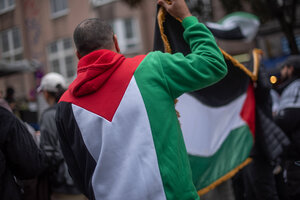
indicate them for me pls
(234, 34)
(174, 31)
(232, 86)
(288, 120)
(80, 162)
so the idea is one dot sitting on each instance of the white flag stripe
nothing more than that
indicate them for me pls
(205, 128)
(124, 153)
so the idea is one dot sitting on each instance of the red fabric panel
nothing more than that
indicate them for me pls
(248, 110)
(106, 99)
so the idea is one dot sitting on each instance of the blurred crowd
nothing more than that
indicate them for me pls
(33, 166)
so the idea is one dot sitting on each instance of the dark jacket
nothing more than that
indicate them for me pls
(19, 155)
(270, 139)
(288, 117)
(60, 180)
(256, 181)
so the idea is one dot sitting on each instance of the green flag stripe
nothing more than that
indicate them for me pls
(162, 77)
(175, 172)
(234, 151)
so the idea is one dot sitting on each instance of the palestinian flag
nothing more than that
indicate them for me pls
(235, 26)
(218, 125)
(218, 122)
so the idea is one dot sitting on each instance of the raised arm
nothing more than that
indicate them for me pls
(177, 8)
(201, 68)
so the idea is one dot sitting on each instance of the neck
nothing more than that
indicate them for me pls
(51, 101)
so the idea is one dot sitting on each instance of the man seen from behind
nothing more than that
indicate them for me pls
(117, 122)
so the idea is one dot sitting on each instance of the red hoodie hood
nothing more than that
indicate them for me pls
(93, 71)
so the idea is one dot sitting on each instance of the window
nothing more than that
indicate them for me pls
(69, 62)
(58, 8)
(101, 2)
(127, 32)
(61, 57)
(6, 5)
(11, 45)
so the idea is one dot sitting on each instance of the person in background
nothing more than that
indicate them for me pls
(3, 102)
(61, 184)
(20, 157)
(117, 122)
(288, 119)
(10, 99)
(29, 187)
(258, 179)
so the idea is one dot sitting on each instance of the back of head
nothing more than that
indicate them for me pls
(10, 95)
(294, 60)
(92, 34)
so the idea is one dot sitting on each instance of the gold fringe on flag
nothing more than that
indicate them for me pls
(225, 177)
(256, 53)
(253, 75)
(161, 19)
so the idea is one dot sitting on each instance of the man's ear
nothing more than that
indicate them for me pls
(78, 55)
(116, 44)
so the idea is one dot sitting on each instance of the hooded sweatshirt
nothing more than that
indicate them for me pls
(117, 121)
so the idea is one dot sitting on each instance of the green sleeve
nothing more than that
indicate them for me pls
(204, 66)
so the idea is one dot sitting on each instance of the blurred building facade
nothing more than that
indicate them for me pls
(39, 33)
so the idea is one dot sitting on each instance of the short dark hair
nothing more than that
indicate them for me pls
(92, 34)
(57, 95)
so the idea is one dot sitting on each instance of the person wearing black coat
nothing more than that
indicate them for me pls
(288, 118)
(20, 158)
(257, 181)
